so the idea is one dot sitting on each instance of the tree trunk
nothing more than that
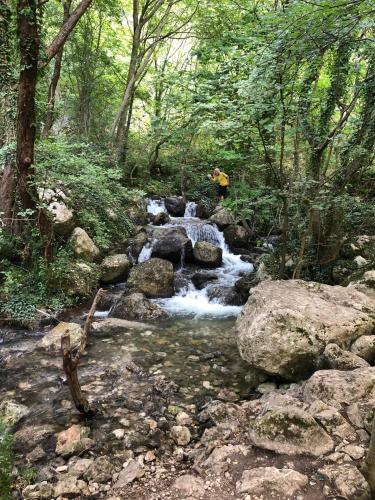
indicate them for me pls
(8, 196)
(7, 84)
(49, 118)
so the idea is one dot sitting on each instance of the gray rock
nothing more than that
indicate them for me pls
(342, 360)
(129, 473)
(225, 295)
(12, 412)
(286, 325)
(173, 245)
(83, 246)
(69, 485)
(137, 308)
(100, 471)
(268, 482)
(236, 236)
(110, 326)
(207, 255)
(161, 219)
(175, 205)
(244, 285)
(364, 347)
(115, 268)
(222, 218)
(63, 218)
(290, 431)
(201, 279)
(180, 435)
(154, 278)
(38, 491)
(348, 481)
(51, 342)
(189, 486)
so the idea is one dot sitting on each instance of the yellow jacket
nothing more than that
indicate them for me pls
(222, 179)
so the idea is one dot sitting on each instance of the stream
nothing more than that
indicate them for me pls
(190, 358)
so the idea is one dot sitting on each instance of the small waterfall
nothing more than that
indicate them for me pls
(197, 230)
(155, 206)
(146, 253)
(191, 209)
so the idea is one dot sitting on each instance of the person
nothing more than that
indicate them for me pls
(222, 180)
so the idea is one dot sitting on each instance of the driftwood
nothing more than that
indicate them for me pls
(71, 361)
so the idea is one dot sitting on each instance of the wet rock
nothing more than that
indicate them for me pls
(154, 278)
(225, 295)
(336, 387)
(173, 245)
(244, 285)
(69, 486)
(108, 300)
(180, 282)
(270, 481)
(291, 431)
(130, 473)
(12, 412)
(63, 218)
(342, 360)
(286, 325)
(83, 246)
(52, 340)
(175, 205)
(222, 218)
(73, 441)
(236, 236)
(201, 279)
(100, 471)
(207, 255)
(348, 481)
(110, 326)
(135, 245)
(203, 211)
(115, 268)
(189, 485)
(136, 307)
(364, 347)
(39, 491)
(161, 219)
(180, 435)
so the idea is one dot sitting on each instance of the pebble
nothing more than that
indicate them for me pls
(183, 419)
(180, 435)
(206, 384)
(119, 433)
(150, 457)
(125, 422)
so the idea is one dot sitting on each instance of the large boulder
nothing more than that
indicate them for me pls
(81, 278)
(51, 342)
(154, 278)
(115, 268)
(364, 347)
(175, 205)
(290, 431)
(348, 481)
(203, 211)
(236, 236)
(173, 244)
(83, 246)
(244, 285)
(207, 255)
(136, 307)
(286, 325)
(63, 218)
(222, 218)
(136, 243)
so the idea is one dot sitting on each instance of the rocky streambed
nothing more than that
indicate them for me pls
(180, 413)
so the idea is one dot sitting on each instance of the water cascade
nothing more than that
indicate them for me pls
(189, 301)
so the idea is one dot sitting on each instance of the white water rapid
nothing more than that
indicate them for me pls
(190, 301)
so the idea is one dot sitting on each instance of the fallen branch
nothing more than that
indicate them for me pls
(70, 361)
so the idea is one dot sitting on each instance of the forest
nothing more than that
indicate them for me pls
(157, 339)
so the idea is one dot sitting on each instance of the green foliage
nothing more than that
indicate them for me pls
(6, 463)
(93, 186)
